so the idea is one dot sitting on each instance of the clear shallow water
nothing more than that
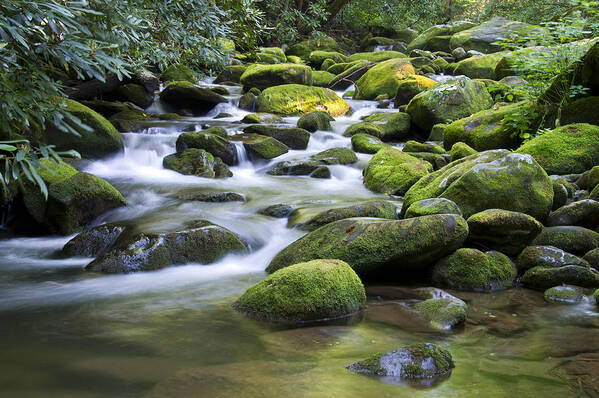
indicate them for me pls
(68, 333)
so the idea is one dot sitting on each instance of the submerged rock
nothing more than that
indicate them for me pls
(417, 361)
(490, 180)
(311, 291)
(473, 270)
(442, 310)
(564, 294)
(200, 242)
(374, 245)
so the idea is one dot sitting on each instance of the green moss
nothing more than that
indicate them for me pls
(566, 150)
(415, 146)
(318, 57)
(264, 76)
(215, 144)
(366, 143)
(336, 156)
(315, 121)
(371, 246)
(315, 290)
(197, 162)
(304, 48)
(575, 240)
(480, 67)
(178, 72)
(261, 146)
(364, 128)
(596, 296)
(442, 313)
(432, 206)
(461, 150)
(295, 99)
(411, 86)
(436, 133)
(473, 270)
(564, 294)
(137, 94)
(231, 73)
(423, 39)
(392, 171)
(542, 278)
(546, 256)
(102, 140)
(294, 138)
(383, 79)
(489, 180)
(449, 101)
(322, 78)
(376, 56)
(375, 208)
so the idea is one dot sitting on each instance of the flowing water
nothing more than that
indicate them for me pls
(65, 332)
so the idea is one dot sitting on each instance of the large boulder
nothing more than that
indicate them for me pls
(261, 146)
(294, 138)
(487, 129)
(295, 99)
(393, 172)
(506, 231)
(411, 86)
(314, 121)
(373, 245)
(231, 73)
(183, 97)
(431, 206)
(199, 242)
(196, 162)
(569, 149)
(318, 57)
(311, 291)
(583, 213)
(473, 270)
(366, 143)
(386, 125)
(264, 76)
(102, 139)
(490, 180)
(423, 40)
(479, 67)
(483, 37)
(304, 48)
(449, 101)
(178, 72)
(419, 361)
(74, 199)
(383, 79)
(350, 75)
(542, 278)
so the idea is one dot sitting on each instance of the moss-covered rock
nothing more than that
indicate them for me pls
(375, 208)
(583, 213)
(542, 278)
(575, 240)
(419, 361)
(376, 56)
(366, 143)
(431, 206)
(183, 98)
(196, 162)
(560, 195)
(547, 257)
(461, 150)
(261, 146)
(379, 246)
(410, 86)
(565, 294)
(479, 67)
(136, 94)
(296, 168)
(94, 241)
(449, 101)
(423, 39)
(387, 126)
(364, 128)
(277, 52)
(102, 140)
(257, 118)
(443, 311)
(473, 270)
(391, 171)
(383, 79)
(483, 37)
(74, 199)
(215, 144)
(492, 179)
(279, 210)
(305, 48)
(335, 156)
(231, 73)
(264, 76)
(314, 121)
(351, 74)
(178, 72)
(506, 231)
(199, 242)
(415, 146)
(311, 291)
(295, 99)
(322, 78)
(294, 138)
(487, 129)
(582, 110)
(318, 57)
(592, 257)
(129, 120)
(566, 150)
